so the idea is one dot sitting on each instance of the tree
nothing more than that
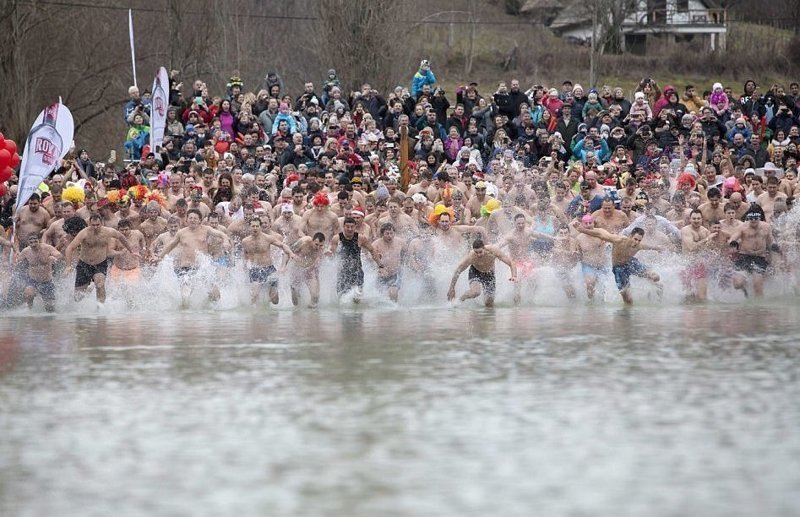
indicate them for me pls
(361, 39)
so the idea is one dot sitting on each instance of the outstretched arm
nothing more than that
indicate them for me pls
(451, 293)
(502, 257)
(599, 233)
(364, 243)
(170, 246)
(226, 241)
(70, 251)
(123, 240)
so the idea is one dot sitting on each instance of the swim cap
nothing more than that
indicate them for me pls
(321, 199)
(587, 218)
(287, 208)
(419, 198)
(490, 206)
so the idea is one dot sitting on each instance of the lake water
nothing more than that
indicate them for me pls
(659, 410)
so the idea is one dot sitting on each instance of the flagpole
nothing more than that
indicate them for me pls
(133, 51)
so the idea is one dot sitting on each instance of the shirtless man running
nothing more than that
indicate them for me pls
(308, 254)
(592, 252)
(31, 218)
(754, 240)
(480, 262)
(125, 266)
(320, 218)
(191, 242)
(695, 239)
(95, 242)
(37, 261)
(623, 260)
(392, 252)
(258, 256)
(518, 242)
(289, 224)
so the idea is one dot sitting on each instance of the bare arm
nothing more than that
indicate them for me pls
(122, 239)
(334, 244)
(287, 252)
(226, 242)
(736, 234)
(687, 241)
(598, 233)
(459, 269)
(74, 245)
(170, 246)
(364, 243)
(474, 229)
(502, 257)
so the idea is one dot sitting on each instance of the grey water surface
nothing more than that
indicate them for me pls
(656, 410)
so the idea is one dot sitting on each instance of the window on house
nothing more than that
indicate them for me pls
(683, 5)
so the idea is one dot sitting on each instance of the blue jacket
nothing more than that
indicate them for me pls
(420, 79)
(289, 120)
(602, 154)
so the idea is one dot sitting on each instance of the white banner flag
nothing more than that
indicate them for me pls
(133, 50)
(47, 143)
(158, 113)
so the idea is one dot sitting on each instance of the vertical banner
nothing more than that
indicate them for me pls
(158, 113)
(47, 143)
(133, 51)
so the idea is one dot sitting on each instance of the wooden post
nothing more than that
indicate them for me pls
(404, 173)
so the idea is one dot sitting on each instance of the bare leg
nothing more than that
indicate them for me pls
(626, 296)
(313, 289)
(394, 293)
(591, 282)
(100, 287)
(701, 289)
(473, 292)
(214, 293)
(273, 295)
(255, 289)
(28, 294)
(758, 284)
(653, 277)
(740, 282)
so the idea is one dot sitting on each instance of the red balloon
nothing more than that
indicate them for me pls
(2, 136)
(3, 190)
(11, 146)
(5, 158)
(15, 159)
(6, 174)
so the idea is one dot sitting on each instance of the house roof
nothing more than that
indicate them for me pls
(574, 13)
(531, 6)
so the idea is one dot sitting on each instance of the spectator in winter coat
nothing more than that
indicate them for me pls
(422, 77)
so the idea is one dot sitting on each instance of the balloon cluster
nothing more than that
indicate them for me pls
(9, 159)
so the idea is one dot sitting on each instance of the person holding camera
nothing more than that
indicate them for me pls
(424, 76)
(136, 106)
(440, 105)
(783, 120)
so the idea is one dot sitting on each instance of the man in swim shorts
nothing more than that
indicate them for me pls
(480, 262)
(623, 260)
